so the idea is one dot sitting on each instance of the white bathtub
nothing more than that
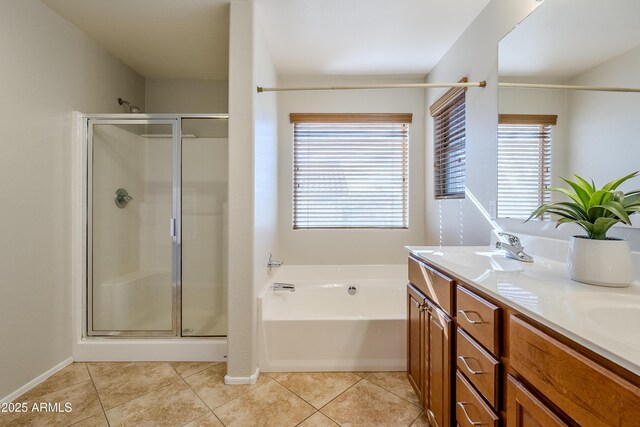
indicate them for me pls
(320, 327)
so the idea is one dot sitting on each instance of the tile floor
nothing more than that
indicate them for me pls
(194, 394)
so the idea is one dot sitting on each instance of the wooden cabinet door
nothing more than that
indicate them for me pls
(525, 410)
(440, 375)
(415, 327)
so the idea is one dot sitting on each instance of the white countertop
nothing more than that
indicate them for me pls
(605, 320)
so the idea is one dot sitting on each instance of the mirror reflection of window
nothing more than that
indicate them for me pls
(524, 163)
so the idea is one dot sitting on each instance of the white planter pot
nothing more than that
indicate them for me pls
(600, 262)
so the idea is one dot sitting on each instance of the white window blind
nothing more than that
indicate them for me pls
(524, 164)
(350, 170)
(449, 123)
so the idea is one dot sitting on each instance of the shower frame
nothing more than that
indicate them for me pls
(175, 120)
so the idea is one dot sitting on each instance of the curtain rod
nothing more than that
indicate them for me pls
(573, 87)
(387, 86)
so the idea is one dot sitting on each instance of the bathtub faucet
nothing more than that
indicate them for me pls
(272, 263)
(284, 287)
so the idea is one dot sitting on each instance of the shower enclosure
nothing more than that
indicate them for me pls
(156, 221)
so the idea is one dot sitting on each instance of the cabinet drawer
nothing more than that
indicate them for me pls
(471, 410)
(436, 286)
(479, 318)
(524, 409)
(584, 390)
(478, 366)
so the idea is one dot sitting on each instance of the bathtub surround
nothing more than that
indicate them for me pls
(52, 68)
(345, 246)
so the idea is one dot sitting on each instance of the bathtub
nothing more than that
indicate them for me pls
(321, 327)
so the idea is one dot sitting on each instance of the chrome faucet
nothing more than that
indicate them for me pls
(284, 287)
(272, 263)
(513, 248)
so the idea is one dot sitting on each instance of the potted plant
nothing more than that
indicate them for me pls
(595, 258)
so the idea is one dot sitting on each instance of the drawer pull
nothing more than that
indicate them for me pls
(473, 322)
(464, 410)
(466, 365)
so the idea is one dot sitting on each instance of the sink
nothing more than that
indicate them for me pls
(474, 259)
(617, 316)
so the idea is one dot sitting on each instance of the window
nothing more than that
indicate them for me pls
(449, 125)
(350, 170)
(524, 163)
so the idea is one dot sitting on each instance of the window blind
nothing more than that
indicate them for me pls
(524, 164)
(449, 121)
(350, 171)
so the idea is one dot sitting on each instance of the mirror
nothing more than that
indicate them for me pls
(590, 43)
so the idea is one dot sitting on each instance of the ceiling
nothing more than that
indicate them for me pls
(561, 39)
(189, 39)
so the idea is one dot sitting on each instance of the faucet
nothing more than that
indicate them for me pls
(272, 263)
(513, 248)
(284, 287)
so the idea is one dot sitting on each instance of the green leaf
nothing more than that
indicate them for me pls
(564, 221)
(616, 182)
(590, 189)
(588, 227)
(616, 209)
(573, 196)
(601, 226)
(571, 209)
(582, 194)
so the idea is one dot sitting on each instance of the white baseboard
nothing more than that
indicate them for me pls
(34, 382)
(242, 380)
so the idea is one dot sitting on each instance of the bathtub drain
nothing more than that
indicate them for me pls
(352, 290)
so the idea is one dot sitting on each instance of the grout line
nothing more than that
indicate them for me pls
(197, 372)
(308, 416)
(394, 393)
(295, 394)
(347, 389)
(203, 402)
(97, 394)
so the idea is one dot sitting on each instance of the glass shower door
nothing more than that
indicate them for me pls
(204, 224)
(133, 262)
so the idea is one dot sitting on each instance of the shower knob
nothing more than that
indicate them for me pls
(122, 198)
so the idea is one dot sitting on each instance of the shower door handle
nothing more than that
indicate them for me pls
(172, 227)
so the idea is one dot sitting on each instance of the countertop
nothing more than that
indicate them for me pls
(604, 320)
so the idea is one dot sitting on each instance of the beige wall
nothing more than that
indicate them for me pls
(349, 246)
(186, 96)
(242, 360)
(475, 55)
(49, 69)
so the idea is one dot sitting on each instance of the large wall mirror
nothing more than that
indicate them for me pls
(545, 134)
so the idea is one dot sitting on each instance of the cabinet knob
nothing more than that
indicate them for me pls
(468, 319)
(462, 405)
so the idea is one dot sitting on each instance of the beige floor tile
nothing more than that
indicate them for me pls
(84, 404)
(121, 383)
(207, 420)
(209, 385)
(395, 382)
(317, 388)
(71, 375)
(318, 420)
(422, 421)
(98, 420)
(268, 405)
(172, 405)
(184, 369)
(365, 404)
(361, 374)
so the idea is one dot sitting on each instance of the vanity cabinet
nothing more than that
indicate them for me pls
(475, 360)
(430, 342)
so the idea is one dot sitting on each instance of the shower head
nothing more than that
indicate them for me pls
(132, 108)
